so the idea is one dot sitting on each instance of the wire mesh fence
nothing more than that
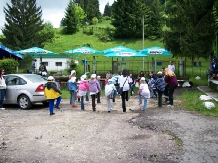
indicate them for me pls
(190, 69)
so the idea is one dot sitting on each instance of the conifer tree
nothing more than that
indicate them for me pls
(127, 18)
(107, 10)
(70, 20)
(191, 28)
(90, 7)
(23, 24)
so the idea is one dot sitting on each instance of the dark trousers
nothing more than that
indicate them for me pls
(93, 102)
(160, 93)
(166, 92)
(98, 97)
(171, 91)
(2, 96)
(124, 99)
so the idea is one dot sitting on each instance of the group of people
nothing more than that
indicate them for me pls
(42, 68)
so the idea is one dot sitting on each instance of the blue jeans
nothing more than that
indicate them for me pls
(2, 96)
(145, 101)
(72, 97)
(51, 103)
(82, 103)
(87, 96)
(131, 88)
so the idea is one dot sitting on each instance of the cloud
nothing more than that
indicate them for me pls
(53, 11)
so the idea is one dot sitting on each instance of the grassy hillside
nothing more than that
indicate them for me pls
(67, 42)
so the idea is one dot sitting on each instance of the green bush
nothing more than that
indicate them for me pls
(9, 65)
(94, 21)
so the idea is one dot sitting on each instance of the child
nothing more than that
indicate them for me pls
(160, 86)
(110, 92)
(94, 88)
(72, 88)
(51, 92)
(143, 91)
(152, 78)
(83, 86)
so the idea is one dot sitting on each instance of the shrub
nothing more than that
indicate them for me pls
(94, 21)
(9, 65)
(107, 35)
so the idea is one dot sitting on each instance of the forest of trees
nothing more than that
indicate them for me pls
(187, 28)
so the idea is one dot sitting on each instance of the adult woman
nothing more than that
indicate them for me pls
(171, 81)
(72, 88)
(142, 74)
(124, 84)
(108, 75)
(42, 70)
(2, 88)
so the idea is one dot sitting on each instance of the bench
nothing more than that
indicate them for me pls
(182, 80)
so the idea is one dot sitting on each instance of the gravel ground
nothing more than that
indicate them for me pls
(155, 135)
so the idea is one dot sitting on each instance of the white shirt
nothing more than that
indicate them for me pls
(172, 68)
(2, 83)
(109, 89)
(122, 80)
(145, 91)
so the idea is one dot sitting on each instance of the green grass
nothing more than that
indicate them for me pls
(190, 100)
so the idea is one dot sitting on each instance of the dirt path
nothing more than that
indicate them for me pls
(72, 135)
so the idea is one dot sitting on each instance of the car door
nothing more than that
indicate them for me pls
(13, 87)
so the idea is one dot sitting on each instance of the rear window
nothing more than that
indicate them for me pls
(35, 78)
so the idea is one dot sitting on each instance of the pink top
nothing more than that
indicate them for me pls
(83, 85)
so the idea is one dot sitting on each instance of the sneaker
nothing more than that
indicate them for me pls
(57, 107)
(2, 108)
(74, 106)
(170, 106)
(140, 103)
(52, 113)
(108, 111)
(123, 111)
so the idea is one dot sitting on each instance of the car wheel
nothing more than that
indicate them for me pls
(24, 102)
(45, 103)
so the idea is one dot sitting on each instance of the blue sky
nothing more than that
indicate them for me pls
(53, 10)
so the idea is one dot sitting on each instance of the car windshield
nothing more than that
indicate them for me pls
(34, 78)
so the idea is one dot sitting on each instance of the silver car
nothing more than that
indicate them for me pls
(24, 90)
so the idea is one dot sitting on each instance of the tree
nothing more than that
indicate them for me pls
(80, 14)
(90, 7)
(23, 24)
(107, 10)
(93, 10)
(127, 18)
(153, 20)
(192, 28)
(70, 20)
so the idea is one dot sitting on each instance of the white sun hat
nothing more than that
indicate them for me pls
(50, 78)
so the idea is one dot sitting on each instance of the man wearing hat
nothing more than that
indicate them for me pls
(51, 92)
